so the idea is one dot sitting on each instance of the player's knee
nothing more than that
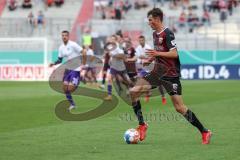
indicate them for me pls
(109, 80)
(180, 108)
(135, 90)
(65, 88)
(71, 88)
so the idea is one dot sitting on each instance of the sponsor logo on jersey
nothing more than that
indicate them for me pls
(160, 39)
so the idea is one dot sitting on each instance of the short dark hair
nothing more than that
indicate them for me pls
(141, 37)
(114, 36)
(156, 12)
(65, 31)
(119, 33)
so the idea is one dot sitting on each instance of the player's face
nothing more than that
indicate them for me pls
(153, 22)
(119, 39)
(65, 37)
(108, 39)
(113, 39)
(128, 44)
(86, 47)
(142, 41)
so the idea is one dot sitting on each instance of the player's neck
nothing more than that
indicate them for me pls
(65, 43)
(160, 28)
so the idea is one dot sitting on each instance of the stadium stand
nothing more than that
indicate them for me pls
(2, 6)
(56, 20)
(85, 14)
(206, 29)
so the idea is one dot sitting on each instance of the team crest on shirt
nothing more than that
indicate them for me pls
(175, 87)
(160, 40)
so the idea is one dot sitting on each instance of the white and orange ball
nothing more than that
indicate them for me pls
(131, 136)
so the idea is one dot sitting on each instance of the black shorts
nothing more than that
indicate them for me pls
(106, 66)
(172, 85)
(132, 74)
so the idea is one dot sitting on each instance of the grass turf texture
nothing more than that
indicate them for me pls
(29, 129)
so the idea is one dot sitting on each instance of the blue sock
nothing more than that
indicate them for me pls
(69, 98)
(109, 89)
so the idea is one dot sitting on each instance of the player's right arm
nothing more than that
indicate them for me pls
(147, 61)
(60, 58)
(119, 54)
(58, 61)
(82, 52)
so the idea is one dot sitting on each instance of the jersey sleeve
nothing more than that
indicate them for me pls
(170, 40)
(77, 48)
(90, 53)
(137, 52)
(148, 47)
(120, 51)
(117, 51)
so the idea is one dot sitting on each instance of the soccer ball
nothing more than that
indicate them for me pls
(131, 136)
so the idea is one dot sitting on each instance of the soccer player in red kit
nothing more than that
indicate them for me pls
(130, 60)
(166, 72)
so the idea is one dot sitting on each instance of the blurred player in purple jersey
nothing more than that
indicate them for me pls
(71, 78)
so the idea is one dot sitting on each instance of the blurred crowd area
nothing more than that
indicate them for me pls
(117, 9)
(180, 15)
(193, 14)
(184, 17)
(36, 9)
(211, 20)
(189, 17)
(28, 4)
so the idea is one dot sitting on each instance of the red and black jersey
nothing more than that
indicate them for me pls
(130, 52)
(106, 65)
(106, 58)
(165, 67)
(130, 66)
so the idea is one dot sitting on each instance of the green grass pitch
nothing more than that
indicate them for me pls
(29, 129)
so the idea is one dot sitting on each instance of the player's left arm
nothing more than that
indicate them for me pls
(92, 58)
(84, 56)
(119, 55)
(148, 61)
(133, 59)
(82, 52)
